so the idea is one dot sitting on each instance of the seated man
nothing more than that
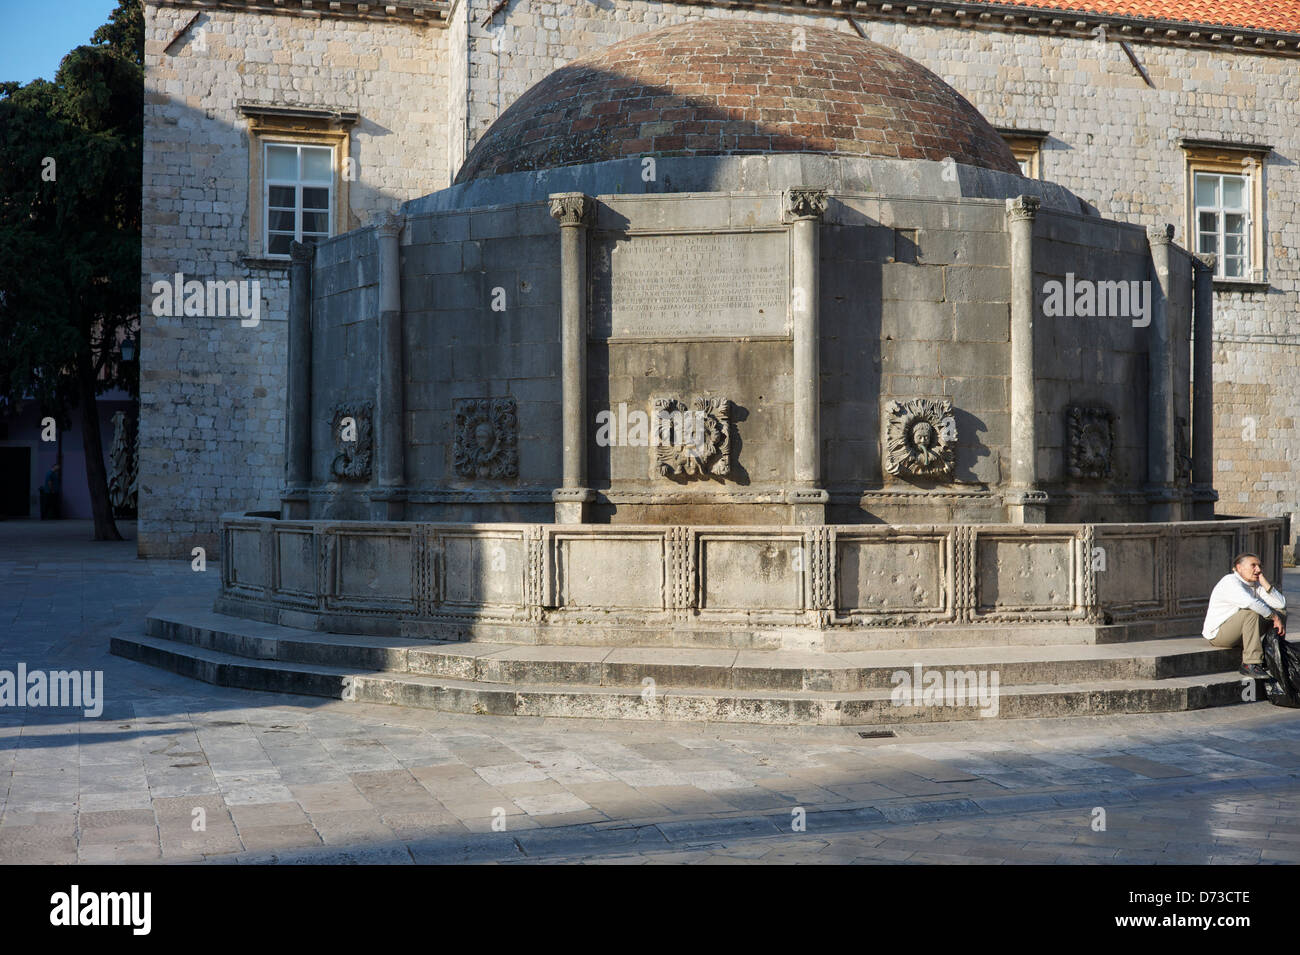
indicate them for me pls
(1240, 605)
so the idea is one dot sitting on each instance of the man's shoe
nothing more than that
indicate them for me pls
(1255, 670)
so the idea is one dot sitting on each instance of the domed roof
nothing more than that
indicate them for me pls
(730, 87)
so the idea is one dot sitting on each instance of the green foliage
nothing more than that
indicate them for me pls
(70, 245)
(123, 34)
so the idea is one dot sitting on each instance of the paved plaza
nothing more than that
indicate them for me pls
(298, 779)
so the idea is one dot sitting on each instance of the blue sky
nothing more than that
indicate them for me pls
(35, 36)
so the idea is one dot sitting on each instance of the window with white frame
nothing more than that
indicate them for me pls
(1223, 221)
(1225, 211)
(298, 194)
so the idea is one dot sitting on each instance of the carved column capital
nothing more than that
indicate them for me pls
(1023, 207)
(571, 208)
(802, 202)
(1206, 261)
(300, 252)
(1160, 234)
(389, 225)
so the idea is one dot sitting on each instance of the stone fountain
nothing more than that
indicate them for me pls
(793, 362)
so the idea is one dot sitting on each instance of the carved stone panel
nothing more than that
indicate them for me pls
(124, 469)
(1182, 453)
(353, 431)
(919, 437)
(690, 287)
(693, 441)
(486, 439)
(1092, 442)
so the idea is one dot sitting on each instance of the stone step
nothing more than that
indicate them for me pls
(515, 665)
(777, 706)
(627, 628)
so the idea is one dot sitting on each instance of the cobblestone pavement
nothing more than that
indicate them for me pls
(296, 779)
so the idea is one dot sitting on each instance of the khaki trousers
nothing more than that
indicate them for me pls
(1243, 627)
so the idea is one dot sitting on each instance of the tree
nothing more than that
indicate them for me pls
(70, 235)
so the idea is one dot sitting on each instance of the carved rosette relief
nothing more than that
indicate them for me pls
(693, 441)
(486, 439)
(919, 437)
(1092, 442)
(354, 444)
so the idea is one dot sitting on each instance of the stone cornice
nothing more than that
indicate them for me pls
(1019, 19)
(986, 16)
(271, 112)
(416, 12)
(1223, 145)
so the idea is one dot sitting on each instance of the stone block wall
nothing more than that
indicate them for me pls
(212, 390)
(1093, 362)
(1113, 140)
(913, 303)
(345, 350)
(480, 296)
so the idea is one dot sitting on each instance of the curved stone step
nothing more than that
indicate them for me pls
(514, 665)
(863, 707)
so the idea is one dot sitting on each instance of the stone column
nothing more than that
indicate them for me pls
(806, 498)
(573, 211)
(1203, 493)
(294, 502)
(387, 500)
(1026, 504)
(1162, 501)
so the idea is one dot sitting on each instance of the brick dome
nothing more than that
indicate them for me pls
(723, 87)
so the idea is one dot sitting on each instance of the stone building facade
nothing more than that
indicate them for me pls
(1124, 111)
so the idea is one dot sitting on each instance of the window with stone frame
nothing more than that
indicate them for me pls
(298, 186)
(1225, 207)
(1027, 146)
(299, 170)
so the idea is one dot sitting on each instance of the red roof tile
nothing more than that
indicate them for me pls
(1279, 15)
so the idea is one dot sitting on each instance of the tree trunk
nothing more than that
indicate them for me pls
(93, 446)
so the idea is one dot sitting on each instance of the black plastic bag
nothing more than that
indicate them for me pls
(1283, 664)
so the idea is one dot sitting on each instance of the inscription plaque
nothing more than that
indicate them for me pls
(734, 285)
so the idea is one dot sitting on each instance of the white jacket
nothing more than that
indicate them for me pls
(1232, 594)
